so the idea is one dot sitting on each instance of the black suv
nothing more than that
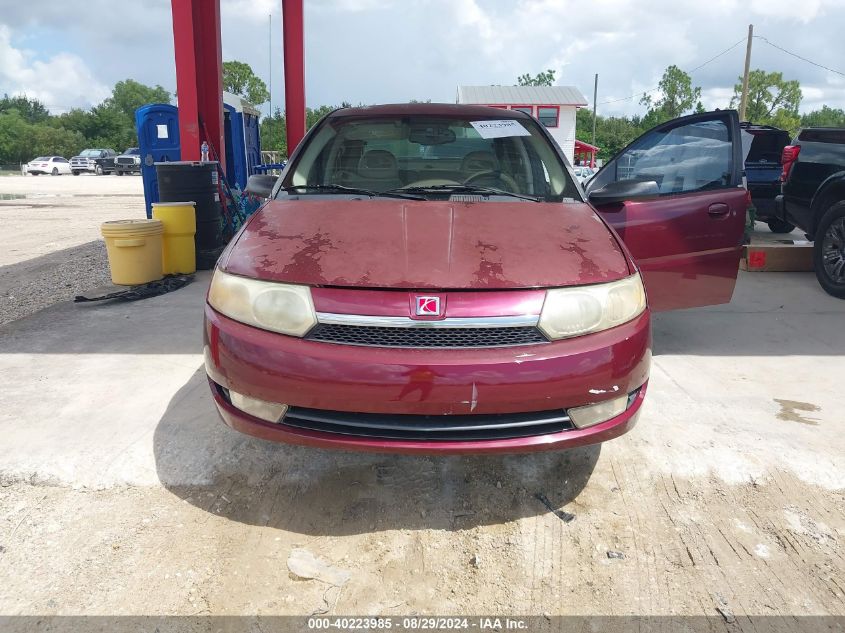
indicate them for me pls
(814, 199)
(762, 172)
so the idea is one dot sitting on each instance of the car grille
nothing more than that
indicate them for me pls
(498, 426)
(458, 337)
(126, 161)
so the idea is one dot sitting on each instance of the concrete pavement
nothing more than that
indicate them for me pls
(731, 484)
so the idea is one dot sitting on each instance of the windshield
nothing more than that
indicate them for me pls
(91, 153)
(431, 156)
(132, 150)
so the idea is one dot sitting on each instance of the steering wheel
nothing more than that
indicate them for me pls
(429, 182)
(342, 176)
(506, 179)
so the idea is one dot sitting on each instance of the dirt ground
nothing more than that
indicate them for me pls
(47, 214)
(122, 493)
(430, 536)
(57, 251)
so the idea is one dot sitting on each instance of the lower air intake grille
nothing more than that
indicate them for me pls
(375, 336)
(497, 426)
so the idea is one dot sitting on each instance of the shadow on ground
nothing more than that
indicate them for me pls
(167, 324)
(319, 492)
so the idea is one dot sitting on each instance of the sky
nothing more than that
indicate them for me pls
(72, 52)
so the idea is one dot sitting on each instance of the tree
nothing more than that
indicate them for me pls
(540, 79)
(677, 96)
(15, 138)
(239, 79)
(612, 133)
(274, 133)
(31, 110)
(48, 140)
(770, 98)
(129, 95)
(313, 115)
(826, 117)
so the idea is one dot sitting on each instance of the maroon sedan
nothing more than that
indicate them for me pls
(432, 279)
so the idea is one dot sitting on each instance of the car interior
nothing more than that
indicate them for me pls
(393, 154)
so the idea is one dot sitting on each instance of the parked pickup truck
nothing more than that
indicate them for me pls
(762, 172)
(129, 162)
(97, 161)
(813, 199)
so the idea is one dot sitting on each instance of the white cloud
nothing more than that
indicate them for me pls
(805, 11)
(60, 82)
(378, 51)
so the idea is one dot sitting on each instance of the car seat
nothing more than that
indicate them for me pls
(379, 170)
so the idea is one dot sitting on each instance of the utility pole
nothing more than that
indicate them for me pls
(743, 102)
(595, 95)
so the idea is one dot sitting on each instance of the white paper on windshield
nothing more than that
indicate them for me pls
(500, 128)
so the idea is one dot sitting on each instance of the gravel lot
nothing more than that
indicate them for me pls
(56, 252)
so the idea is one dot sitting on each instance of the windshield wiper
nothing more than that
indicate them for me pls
(468, 189)
(345, 189)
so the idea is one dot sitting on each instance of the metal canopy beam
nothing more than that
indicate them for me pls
(294, 52)
(199, 75)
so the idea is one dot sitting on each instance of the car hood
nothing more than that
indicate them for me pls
(392, 243)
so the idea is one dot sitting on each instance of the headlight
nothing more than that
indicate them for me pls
(268, 305)
(581, 310)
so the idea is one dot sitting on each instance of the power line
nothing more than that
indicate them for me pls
(804, 59)
(700, 66)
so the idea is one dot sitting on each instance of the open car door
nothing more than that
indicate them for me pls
(675, 197)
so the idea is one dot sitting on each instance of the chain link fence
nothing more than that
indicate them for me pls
(14, 169)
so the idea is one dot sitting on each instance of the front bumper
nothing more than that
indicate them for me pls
(427, 382)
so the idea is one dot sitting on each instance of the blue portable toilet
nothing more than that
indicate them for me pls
(157, 125)
(252, 139)
(243, 143)
(158, 138)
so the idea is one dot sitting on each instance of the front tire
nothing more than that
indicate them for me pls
(98, 170)
(119, 173)
(75, 172)
(780, 226)
(829, 251)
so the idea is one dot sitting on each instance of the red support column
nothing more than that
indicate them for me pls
(199, 75)
(294, 51)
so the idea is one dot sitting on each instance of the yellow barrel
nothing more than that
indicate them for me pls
(180, 225)
(134, 248)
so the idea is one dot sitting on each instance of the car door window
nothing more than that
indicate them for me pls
(696, 156)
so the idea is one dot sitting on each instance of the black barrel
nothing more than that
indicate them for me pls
(188, 181)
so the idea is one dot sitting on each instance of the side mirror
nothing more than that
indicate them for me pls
(623, 190)
(261, 185)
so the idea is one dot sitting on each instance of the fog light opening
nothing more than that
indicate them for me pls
(269, 411)
(592, 414)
